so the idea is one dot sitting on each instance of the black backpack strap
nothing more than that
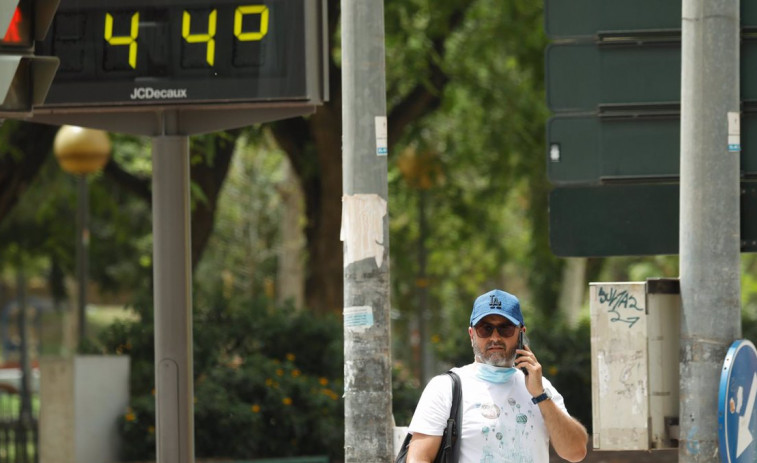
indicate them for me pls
(455, 420)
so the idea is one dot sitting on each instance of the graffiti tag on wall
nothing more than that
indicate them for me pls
(621, 305)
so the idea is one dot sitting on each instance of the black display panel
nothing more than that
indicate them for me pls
(172, 52)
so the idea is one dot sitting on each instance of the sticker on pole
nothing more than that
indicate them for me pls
(734, 132)
(358, 318)
(737, 423)
(382, 136)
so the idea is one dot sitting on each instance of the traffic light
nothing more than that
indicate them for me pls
(24, 77)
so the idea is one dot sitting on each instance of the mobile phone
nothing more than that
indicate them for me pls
(522, 340)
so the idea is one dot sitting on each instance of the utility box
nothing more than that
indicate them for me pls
(82, 399)
(635, 332)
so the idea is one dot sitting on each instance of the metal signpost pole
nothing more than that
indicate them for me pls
(172, 273)
(82, 253)
(709, 215)
(365, 232)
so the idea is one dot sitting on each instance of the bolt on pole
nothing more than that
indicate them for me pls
(365, 233)
(709, 240)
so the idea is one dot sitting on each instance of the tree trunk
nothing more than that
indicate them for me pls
(313, 146)
(208, 174)
(324, 286)
(573, 289)
(290, 282)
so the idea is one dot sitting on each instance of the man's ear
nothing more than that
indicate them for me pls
(470, 333)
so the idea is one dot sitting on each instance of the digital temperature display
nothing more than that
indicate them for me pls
(126, 52)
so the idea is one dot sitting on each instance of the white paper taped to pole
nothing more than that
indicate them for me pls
(734, 132)
(363, 228)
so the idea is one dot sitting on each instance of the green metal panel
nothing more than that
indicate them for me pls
(581, 77)
(622, 220)
(748, 216)
(614, 220)
(593, 149)
(749, 144)
(748, 71)
(748, 13)
(587, 18)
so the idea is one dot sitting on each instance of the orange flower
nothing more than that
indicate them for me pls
(331, 394)
(286, 401)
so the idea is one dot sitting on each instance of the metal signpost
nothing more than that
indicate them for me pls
(737, 423)
(368, 424)
(169, 69)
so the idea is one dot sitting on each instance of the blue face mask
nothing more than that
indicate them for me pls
(492, 374)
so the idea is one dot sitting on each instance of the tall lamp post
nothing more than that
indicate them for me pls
(81, 151)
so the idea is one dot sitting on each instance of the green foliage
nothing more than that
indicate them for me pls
(486, 215)
(406, 390)
(749, 296)
(245, 244)
(42, 220)
(43, 226)
(268, 380)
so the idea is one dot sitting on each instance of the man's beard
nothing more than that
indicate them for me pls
(496, 358)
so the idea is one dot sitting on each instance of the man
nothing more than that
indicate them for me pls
(507, 416)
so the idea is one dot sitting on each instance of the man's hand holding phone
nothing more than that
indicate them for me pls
(521, 343)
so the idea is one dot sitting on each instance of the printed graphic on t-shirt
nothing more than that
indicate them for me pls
(506, 432)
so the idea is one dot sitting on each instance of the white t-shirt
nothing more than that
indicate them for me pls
(500, 423)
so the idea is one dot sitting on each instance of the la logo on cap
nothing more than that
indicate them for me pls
(494, 303)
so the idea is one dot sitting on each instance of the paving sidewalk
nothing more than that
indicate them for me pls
(657, 456)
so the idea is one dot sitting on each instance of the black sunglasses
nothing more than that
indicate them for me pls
(505, 330)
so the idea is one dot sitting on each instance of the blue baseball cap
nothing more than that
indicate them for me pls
(496, 302)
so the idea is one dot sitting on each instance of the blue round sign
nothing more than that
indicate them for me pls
(737, 423)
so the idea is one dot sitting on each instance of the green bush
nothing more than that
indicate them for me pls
(268, 381)
(406, 390)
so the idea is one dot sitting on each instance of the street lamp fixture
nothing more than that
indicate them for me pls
(81, 151)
